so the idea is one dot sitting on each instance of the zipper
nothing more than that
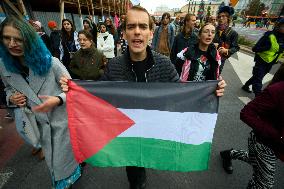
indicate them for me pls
(148, 71)
(134, 72)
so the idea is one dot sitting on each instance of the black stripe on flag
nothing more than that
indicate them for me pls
(172, 97)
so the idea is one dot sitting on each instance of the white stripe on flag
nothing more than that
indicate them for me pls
(185, 127)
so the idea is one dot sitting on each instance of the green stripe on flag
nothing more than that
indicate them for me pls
(153, 153)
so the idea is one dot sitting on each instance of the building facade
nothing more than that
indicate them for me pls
(193, 7)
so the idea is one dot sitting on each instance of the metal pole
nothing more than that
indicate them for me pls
(61, 10)
(23, 8)
(188, 6)
(102, 8)
(124, 7)
(89, 13)
(92, 8)
(108, 8)
(80, 14)
(114, 7)
(11, 5)
(119, 10)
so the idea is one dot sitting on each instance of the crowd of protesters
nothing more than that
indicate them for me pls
(140, 49)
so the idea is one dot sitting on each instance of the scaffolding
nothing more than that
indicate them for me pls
(90, 7)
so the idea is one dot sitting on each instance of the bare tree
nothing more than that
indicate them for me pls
(255, 8)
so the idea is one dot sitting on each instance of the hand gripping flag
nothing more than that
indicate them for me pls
(165, 126)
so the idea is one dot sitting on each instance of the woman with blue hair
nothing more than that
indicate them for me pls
(30, 75)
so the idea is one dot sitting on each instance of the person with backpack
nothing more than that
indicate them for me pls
(164, 35)
(226, 39)
(268, 50)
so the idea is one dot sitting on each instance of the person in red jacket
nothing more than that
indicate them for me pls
(265, 115)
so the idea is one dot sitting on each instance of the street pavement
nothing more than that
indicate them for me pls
(20, 170)
(252, 33)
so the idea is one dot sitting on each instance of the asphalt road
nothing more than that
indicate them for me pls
(253, 34)
(22, 171)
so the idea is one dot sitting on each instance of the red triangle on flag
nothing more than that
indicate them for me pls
(92, 122)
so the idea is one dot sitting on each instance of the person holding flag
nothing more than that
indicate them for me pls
(140, 64)
(30, 75)
(202, 60)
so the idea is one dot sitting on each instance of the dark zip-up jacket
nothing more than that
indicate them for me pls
(211, 55)
(161, 70)
(180, 43)
(229, 38)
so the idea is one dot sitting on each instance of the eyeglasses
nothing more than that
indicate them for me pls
(16, 40)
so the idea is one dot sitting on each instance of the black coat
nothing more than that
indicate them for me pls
(120, 69)
(55, 37)
(211, 54)
(180, 43)
(228, 37)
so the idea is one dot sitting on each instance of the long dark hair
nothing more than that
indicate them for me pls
(64, 34)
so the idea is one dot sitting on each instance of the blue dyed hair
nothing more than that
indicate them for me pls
(36, 55)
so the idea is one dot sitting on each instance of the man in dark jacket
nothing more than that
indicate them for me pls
(140, 64)
(54, 39)
(187, 37)
(226, 39)
(268, 50)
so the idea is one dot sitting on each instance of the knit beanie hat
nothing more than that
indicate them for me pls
(52, 24)
(228, 9)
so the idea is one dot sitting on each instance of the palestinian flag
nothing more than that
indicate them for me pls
(165, 126)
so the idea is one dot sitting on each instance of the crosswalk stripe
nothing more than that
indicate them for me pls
(243, 67)
(245, 99)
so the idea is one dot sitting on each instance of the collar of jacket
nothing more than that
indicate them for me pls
(149, 55)
(90, 50)
(191, 53)
(104, 34)
(192, 34)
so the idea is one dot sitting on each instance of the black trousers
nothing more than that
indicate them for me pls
(136, 175)
(259, 71)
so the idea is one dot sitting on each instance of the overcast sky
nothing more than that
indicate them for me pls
(151, 5)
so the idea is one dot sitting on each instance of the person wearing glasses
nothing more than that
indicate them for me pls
(201, 59)
(140, 64)
(226, 39)
(31, 78)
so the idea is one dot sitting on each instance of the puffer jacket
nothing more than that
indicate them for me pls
(120, 69)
